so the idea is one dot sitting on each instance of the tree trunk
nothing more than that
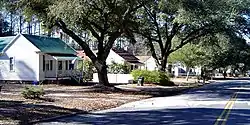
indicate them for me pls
(163, 65)
(103, 52)
(103, 78)
(188, 72)
(224, 74)
(162, 68)
(102, 74)
(203, 74)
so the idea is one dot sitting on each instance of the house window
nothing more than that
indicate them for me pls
(11, 64)
(51, 64)
(67, 65)
(136, 67)
(59, 65)
(43, 63)
(131, 67)
(47, 65)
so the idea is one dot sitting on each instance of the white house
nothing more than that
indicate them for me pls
(121, 56)
(181, 70)
(36, 58)
(149, 63)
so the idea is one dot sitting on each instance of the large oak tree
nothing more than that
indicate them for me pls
(106, 20)
(168, 25)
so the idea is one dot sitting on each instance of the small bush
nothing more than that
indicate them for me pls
(32, 92)
(87, 68)
(157, 77)
(116, 68)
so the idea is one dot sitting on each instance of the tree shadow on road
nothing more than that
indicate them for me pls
(221, 91)
(179, 115)
(185, 116)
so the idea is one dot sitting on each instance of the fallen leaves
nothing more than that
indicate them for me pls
(59, 100)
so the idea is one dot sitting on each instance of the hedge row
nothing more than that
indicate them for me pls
(157, 77)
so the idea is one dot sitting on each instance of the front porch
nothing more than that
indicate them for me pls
(58, 67)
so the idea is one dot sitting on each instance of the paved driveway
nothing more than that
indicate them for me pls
(219, 103)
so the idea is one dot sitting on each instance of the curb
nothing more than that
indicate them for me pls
(56, 117)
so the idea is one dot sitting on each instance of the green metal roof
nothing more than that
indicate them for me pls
(50, 45)
(64, 57)
(4, 41)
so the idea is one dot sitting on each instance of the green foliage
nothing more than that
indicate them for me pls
(156, 77)
(100, 17)
(87, 68)
(226, 50)
(168, 25)
(117, 68)
(190, 55)
(32, 92)
(106, 20)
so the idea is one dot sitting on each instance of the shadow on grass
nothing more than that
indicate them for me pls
(151, 91)
(16, 111)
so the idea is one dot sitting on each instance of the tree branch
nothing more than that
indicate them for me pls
(110, 43)
(92, 30)
(146, 36)
(152, 49)
(83, 44)
(174, 31)
(192, 36)
(96, 26)
(183, 43)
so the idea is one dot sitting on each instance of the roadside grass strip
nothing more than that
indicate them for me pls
(222, 119)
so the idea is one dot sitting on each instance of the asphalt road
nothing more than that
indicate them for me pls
(219, 103)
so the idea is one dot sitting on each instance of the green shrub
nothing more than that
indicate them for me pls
(32, 92)
(157, 77)
(116, 68)
(87, 68)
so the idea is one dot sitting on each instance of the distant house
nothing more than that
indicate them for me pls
(149, 63)
(119, 56)
(181, 70)
(122, 56)
(36, 58)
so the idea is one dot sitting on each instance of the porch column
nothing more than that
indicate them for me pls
(56, 69)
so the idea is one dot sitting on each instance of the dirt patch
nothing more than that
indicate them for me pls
(58, 100)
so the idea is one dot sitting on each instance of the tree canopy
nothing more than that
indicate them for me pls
(168, 25)
(220, 52)
(106, 21)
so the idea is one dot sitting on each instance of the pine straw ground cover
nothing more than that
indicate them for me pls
(58, 100)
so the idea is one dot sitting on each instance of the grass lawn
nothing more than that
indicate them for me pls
(58, 100)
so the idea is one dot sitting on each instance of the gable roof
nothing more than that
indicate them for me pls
(4, 41)
(50, 45)
(125, 55)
